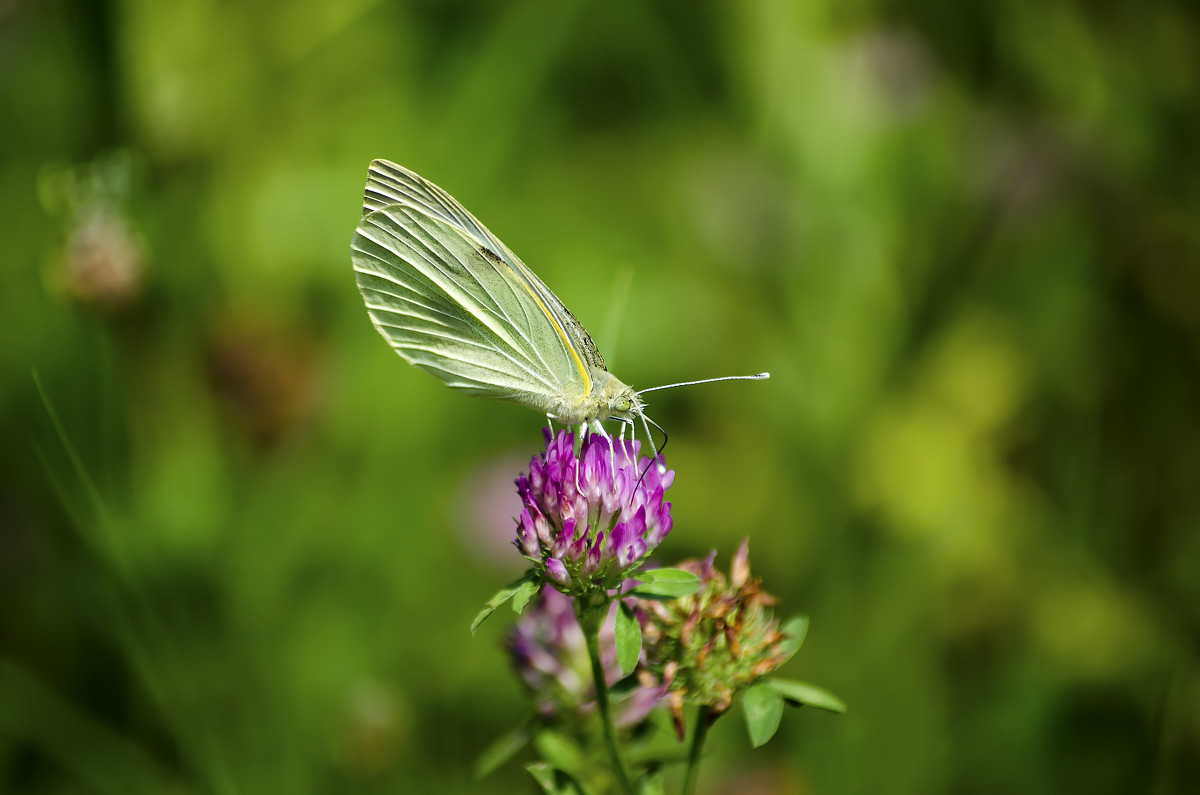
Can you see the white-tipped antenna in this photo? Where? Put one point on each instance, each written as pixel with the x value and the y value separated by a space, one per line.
pixel 755 377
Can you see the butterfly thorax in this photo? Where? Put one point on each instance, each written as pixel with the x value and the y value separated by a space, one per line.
pixel 608 397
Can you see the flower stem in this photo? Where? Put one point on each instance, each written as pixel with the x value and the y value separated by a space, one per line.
pixel 704 719
pixel 591 617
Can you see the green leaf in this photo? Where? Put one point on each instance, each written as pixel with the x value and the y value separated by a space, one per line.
pixel 500 597
pixel 503 749
pixel 795 630
pixel 628 637
pixel 652 782
pixel 763 707
pixel 665 584
pixel 543 774
pixel 665 575
pixel 552 780
pixel 559 750
pixel 797 693
pixel 526 592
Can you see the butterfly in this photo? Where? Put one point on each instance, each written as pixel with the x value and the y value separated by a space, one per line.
pixel 453 300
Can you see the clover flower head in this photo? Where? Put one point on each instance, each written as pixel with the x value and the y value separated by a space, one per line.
pixel 589 519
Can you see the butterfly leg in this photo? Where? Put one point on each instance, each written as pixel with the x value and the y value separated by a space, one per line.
pixel 612 449
pixel 583 432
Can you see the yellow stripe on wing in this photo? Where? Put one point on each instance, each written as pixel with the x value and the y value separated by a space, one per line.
pixel 535 288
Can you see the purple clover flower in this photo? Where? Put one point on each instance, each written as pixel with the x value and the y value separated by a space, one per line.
pixel 590 520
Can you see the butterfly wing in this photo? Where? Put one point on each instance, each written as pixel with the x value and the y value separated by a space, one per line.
pixel 453 300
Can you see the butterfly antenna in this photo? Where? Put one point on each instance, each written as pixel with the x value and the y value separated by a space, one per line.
pixel 755 377
pixel 657 459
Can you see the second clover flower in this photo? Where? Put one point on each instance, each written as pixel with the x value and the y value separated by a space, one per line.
pixel 589 520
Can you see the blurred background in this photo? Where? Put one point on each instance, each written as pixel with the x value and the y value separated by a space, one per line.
pixel 241 541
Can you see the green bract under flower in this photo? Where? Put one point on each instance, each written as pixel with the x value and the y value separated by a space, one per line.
pixel 708 646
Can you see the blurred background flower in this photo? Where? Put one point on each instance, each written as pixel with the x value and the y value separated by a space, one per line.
pixel 102 263
pixel 962 238
pixel 548 651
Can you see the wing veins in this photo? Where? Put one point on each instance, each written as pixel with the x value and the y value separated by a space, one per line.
pixel 443 280
pixel 439 276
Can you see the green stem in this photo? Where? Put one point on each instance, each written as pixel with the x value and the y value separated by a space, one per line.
pixel 591 618
pixel 704 719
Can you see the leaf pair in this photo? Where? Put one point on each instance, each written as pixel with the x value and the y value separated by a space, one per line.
pixel 653 584
pixel 520 591
pixel 763 704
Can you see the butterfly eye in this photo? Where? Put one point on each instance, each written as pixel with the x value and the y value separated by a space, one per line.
pixel 623 403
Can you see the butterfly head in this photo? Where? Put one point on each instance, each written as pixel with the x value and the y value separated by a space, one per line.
pixel 612 399
pixel 626 405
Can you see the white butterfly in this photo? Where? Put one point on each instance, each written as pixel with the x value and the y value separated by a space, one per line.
pixel 453 300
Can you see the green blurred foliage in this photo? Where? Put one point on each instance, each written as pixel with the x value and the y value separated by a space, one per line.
pixel 963 238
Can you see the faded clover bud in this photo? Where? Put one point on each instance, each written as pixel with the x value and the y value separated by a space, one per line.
pixel 709 645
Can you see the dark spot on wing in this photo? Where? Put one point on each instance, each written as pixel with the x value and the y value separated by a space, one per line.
pixel 493 256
